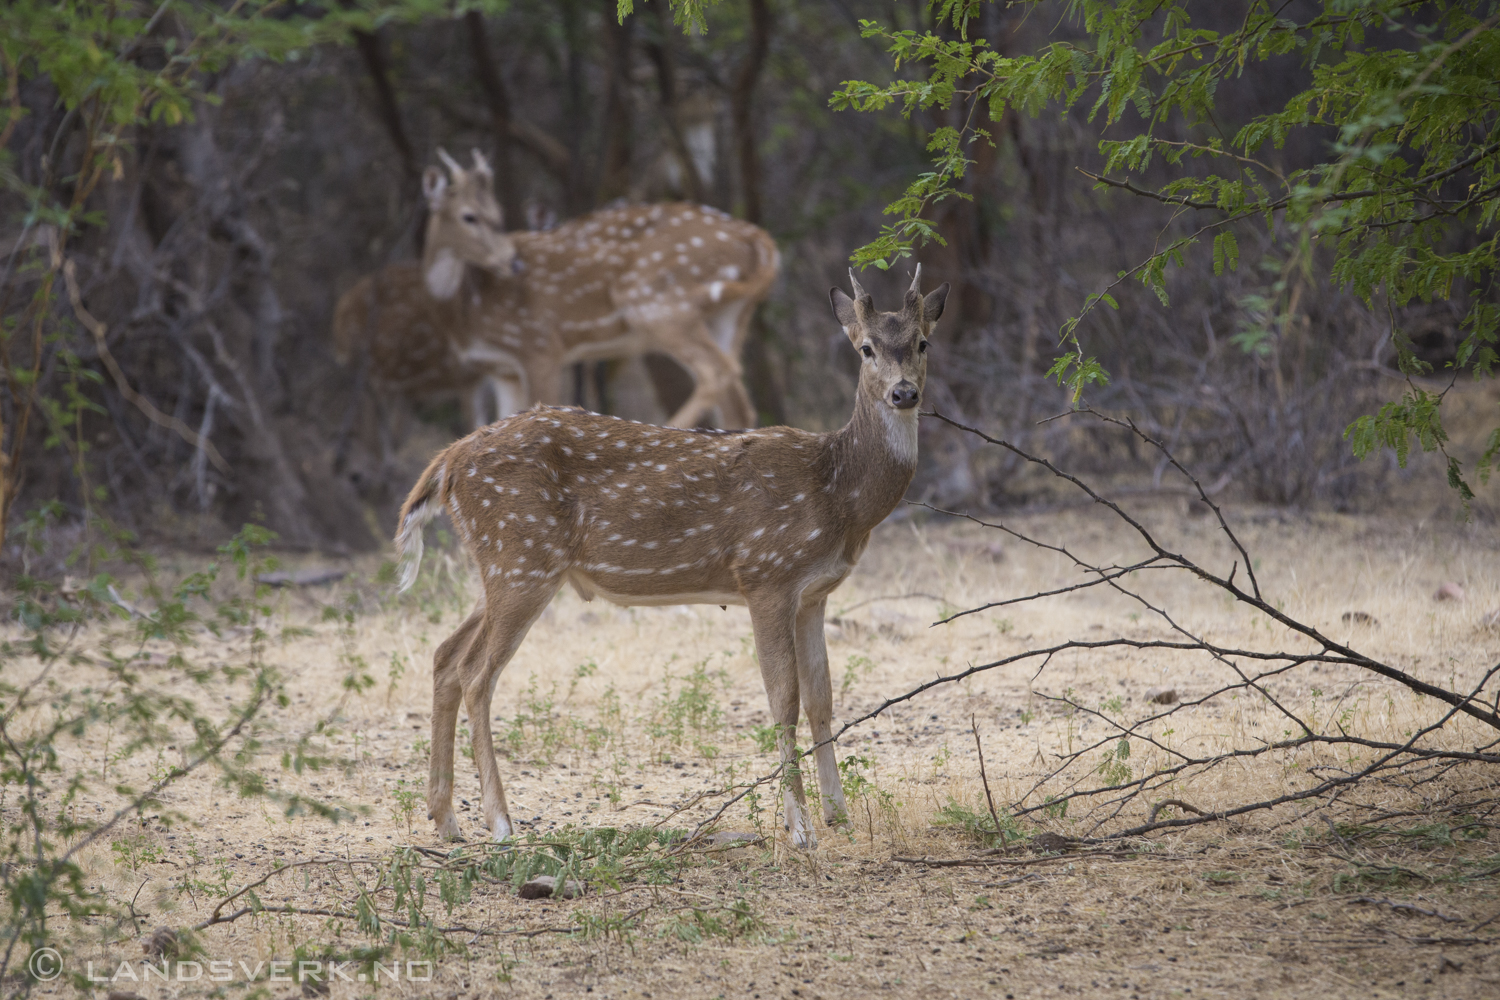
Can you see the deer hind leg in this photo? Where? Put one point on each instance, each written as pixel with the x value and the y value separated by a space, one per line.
pixel 716 376
pixel 447 689
pixel 773 618
pixel 495 398
pixel 730 329
pixel 510 612
pixel 817 702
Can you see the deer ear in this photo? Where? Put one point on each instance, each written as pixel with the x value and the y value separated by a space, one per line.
pixel 843 310
pixel 433 186
pixel 932 305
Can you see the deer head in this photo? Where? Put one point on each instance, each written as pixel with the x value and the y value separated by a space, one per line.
pixel 893 352
pixel 464 226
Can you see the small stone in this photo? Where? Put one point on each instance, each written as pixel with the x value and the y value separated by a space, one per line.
pixel 1162 695
pixel 1359 618
pixel 1049 842
pixel 1449 591
pixel 301 578
pixel 545 887
pixel 161 944
pixel 722 837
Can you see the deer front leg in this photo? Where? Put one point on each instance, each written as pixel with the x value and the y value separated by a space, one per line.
pixel 817 702
pixel 774 619
pixel 447 690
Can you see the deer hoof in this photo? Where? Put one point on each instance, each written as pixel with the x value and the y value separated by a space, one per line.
pixel 447 828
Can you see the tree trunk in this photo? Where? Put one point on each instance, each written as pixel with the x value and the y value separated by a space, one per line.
pixel 498 99
pixel 615 175
pixel 666 83
pixel 385 102
pixel 760 374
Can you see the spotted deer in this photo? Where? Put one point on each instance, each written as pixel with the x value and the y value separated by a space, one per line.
pixel 498 316
pixel 771 519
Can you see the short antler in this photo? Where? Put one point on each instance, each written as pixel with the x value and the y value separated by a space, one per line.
pixel 859 291
pixel 482 165
pixel 864 305
pixel 913 301
pixel 453 168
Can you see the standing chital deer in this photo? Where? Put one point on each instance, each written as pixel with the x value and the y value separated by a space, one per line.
pixel 498 316
pixel 772 519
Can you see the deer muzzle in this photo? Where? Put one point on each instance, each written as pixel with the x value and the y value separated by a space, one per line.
pixel 904 395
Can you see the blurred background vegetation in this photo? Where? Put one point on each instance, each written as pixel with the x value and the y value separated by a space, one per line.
pixel 186 188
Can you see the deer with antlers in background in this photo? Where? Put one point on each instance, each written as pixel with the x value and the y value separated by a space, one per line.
pixel 772 519
pixel 498 316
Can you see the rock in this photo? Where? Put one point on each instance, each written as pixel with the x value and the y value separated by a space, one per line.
pixel 1162 695
pixel 161 944
pixel 1049 842
pixel 301 578
pixel 722 837
pixel 1359 618
pixel 124 995
pixel 1449 591
pixel 545 886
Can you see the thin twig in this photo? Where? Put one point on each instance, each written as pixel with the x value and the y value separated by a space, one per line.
pixel 1408 907
pixel 979 748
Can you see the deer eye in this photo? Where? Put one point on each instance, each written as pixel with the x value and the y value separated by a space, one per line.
pixel 922 347
pixel 470 218
pixel 867 351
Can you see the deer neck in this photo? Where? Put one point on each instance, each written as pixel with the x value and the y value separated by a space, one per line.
pixel 875 458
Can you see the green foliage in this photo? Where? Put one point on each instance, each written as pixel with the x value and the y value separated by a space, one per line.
pixel 1113 768
pixel 979 824
pixel 54 697
pixel 692 709
pixel 1409 90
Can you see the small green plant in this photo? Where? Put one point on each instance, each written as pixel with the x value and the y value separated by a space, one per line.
pixel 407 799
pixel 979 824
pixel 135 850
pixel 1113 768
pixel 857 775
pixel 397 670
pixel 765 737
pixel 694 707
pixel 855 669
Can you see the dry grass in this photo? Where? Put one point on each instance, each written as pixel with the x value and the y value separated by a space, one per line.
pixel 1266 906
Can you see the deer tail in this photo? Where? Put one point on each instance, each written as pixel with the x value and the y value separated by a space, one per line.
pixel 423 504
pixel 769 259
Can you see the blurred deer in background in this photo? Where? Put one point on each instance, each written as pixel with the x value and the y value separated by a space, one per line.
pixel 773 519
pixel 497 316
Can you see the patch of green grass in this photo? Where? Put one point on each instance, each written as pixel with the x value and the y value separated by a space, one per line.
pixel 979 824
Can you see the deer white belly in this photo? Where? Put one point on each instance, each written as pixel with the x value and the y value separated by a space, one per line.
pixel 587 588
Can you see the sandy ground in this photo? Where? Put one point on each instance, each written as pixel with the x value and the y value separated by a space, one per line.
pixel 1279 903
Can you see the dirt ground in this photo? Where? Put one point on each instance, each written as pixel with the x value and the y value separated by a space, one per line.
pixel 628 715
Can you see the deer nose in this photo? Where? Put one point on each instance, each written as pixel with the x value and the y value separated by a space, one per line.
pixel 904 395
